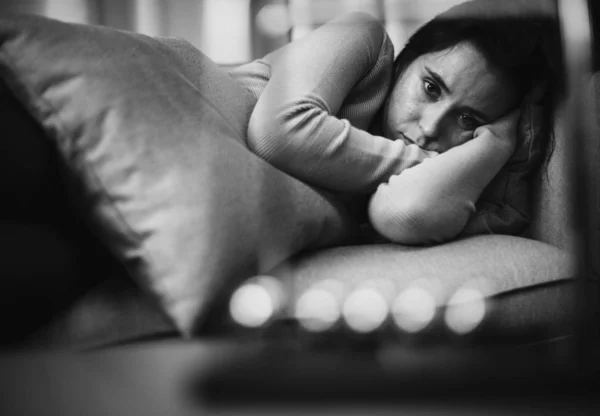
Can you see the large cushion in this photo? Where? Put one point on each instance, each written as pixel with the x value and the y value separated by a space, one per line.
pixel 150 134
pixel 529 285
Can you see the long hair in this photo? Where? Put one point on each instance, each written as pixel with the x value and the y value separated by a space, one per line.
pixel 520 42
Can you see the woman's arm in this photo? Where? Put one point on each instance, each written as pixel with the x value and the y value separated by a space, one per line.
pixel 433 201
pixel 294 126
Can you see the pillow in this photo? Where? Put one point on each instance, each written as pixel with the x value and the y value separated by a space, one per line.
pixel 151 139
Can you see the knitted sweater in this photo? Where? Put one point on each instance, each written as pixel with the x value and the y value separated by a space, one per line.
pixel 316 97
pixel 313 126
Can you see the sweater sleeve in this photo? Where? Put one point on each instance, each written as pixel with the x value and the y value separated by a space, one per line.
pixel 432 202
pixel 342 69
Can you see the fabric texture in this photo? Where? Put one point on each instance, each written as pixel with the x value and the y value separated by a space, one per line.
pixel 150 135
pixel 528 285
pixel 315 98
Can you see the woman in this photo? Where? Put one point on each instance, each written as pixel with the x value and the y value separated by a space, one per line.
pixel 152 139
pixel 449 108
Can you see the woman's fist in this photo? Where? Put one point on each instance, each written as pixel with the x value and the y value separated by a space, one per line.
pixel 502 132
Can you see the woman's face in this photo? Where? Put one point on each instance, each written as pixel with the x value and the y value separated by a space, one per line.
pixel 442 97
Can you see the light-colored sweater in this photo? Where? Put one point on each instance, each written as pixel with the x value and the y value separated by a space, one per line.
pixel 316 97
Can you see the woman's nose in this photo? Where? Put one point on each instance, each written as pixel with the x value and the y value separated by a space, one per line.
pixel 431 121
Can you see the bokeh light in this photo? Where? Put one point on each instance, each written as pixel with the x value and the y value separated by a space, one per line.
pixel 251 305
pixel 275 289
pixel 317 309
pixel 365 309
pixel 274 20
pixel 466 310
pixel 413 309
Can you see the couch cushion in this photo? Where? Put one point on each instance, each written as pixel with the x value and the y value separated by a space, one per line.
pixel 529 284
pixel 49 258
pixel 151 137
pixel 532 298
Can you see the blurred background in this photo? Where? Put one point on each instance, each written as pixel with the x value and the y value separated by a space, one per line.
pixel 232 31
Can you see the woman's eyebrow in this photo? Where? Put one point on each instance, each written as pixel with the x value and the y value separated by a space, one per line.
pixel 438 79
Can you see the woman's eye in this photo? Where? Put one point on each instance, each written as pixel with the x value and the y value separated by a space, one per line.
pixel 467 122
pixel 431 89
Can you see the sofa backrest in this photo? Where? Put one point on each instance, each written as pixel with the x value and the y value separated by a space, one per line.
pixel 554 211
pixel 565 213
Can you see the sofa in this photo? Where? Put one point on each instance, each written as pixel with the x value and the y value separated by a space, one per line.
pixel 64 286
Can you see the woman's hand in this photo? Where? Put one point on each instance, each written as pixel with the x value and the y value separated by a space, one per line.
pixel 501 132
pixel 432 201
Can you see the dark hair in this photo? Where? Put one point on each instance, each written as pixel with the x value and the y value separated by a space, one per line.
pixel 522 43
